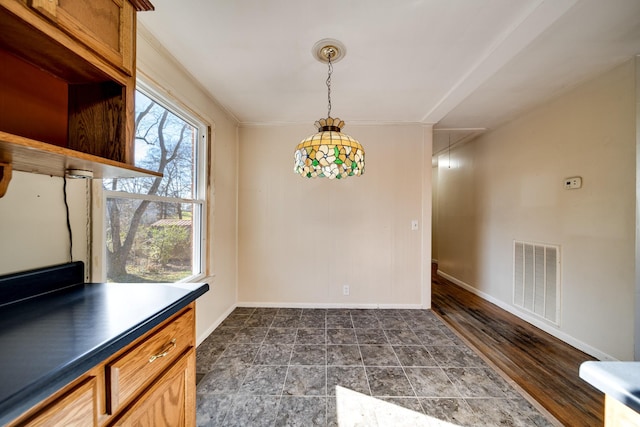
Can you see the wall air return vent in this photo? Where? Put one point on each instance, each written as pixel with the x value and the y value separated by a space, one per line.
pixel 536 279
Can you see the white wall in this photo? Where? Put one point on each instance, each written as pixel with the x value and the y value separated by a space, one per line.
pixel 301 240
pixel 507 185
pixel 33 222
pixel 157 66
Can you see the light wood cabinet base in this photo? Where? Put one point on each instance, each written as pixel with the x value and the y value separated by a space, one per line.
pixel 164 395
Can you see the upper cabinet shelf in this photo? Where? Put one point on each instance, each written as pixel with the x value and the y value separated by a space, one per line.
pixel 67 86
pixel 29 155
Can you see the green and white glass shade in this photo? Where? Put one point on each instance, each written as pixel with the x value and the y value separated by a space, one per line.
pixel 329 153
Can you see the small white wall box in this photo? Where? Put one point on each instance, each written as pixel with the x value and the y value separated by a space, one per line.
pixel 572 183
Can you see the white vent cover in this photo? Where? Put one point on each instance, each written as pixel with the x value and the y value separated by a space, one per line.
pixel 536 279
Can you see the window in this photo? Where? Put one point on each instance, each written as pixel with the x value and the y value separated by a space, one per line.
pixel 155 227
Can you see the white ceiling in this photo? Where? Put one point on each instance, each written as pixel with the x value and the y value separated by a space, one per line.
pixel 458 64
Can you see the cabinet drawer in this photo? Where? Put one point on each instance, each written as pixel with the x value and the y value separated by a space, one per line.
pixel 76 407
pixel 136 368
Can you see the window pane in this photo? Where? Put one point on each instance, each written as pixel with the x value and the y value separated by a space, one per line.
pixel 155 233
pixel 150 241
pixel 165 143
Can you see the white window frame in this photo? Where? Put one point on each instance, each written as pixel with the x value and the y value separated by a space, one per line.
pixel 201 196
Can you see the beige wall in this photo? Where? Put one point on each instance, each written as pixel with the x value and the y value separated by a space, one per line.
pixel 155 65
pixel 507 185
pixel 301 240
pixel 33 226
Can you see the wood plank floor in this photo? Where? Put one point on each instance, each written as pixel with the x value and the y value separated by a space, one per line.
pixel 539 363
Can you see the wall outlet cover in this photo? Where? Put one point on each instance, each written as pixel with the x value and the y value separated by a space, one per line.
pixel 572 183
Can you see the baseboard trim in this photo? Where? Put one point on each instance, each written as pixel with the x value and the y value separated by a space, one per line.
pixel 214 325
pixel 325 305
pixel 600 355
pixel 220 319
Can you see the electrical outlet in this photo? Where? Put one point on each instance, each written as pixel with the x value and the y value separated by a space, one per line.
pixel 345 290
pixel 572 183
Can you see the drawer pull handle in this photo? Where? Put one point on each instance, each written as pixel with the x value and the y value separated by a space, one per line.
pixel 164 351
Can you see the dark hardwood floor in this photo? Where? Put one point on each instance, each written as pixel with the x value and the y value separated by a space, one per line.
pixel 542 365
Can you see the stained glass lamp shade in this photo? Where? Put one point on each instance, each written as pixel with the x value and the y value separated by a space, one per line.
pixel 329 153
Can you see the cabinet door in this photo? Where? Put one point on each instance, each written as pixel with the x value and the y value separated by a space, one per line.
pixel 106 26
pixel 169 401
pixel 77 407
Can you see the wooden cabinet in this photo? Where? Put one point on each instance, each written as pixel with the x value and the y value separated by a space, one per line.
pixel 67 86
pixel 130 372
pixel 150 382
pixel 169 402
pixel 77 406
pixel 106 26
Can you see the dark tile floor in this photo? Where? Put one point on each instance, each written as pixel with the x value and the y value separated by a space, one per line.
pixel 340 367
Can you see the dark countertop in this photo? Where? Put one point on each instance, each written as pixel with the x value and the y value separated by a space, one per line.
pixel 620 380
pixel 50 340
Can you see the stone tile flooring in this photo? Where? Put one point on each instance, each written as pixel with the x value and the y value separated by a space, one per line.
pixel 340 367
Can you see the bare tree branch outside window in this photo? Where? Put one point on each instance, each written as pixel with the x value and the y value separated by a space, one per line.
pixel 150 235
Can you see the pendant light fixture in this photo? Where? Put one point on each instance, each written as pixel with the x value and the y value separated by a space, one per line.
pixel 329 153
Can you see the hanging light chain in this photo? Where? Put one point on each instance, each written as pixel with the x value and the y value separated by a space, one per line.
pixel 330 53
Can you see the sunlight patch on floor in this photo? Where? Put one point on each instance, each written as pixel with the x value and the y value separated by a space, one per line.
pixel 357 409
